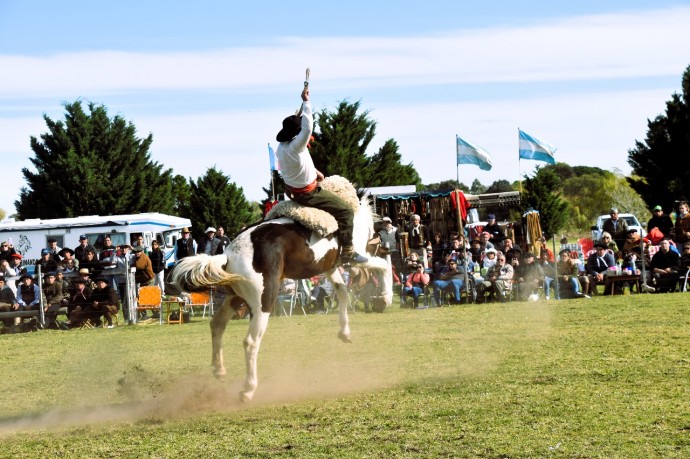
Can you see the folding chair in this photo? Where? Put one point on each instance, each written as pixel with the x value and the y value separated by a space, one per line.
pixel 200 300
pixel 150 298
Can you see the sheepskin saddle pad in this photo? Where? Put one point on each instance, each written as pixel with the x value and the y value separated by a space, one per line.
pixel 317 220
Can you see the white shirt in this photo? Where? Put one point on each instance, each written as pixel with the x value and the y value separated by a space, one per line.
pixel 296 164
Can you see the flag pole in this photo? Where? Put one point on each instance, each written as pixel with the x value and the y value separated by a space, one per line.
pixel 273 187
pixel 519 171
pixel 457 172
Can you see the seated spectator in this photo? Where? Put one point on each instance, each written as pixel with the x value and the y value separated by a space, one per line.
pixel 53 294
pixel 442 265
pixel 513 253
pixel 476 250
pixel 8 303
pixel 5 269
pixel 489 260
pixel 60 279
pixel 67 255
pixel 410 265
pixel 549 270
pixel 438 248
pixel 79 300
pixel 609 243
pixel 415 285
pixel 597 266
pixel 484 241
pixel 632 240
pixel 28 294
pixel 450 280
pixel 568 276
pixel 665 265
pixel 16 264
pixel 86 275
pixel 685 261
pixel 498 281
pixel 530 277
pixel 321 293
pixel 104 302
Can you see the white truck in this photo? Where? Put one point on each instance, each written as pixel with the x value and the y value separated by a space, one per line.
pixel 30 236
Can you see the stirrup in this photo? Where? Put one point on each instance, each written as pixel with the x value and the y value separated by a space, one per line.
pixel 352 258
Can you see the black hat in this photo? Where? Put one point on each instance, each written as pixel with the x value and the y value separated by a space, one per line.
pixel 48 274
pixel 2 278
pixel 51 239
pixel 632 230
pixel 529 255
pixel 79 280
pixel 564 251
pixel 100 279
pixel 65 250
pixel 25 276
pixel 599 244
pixel 292 125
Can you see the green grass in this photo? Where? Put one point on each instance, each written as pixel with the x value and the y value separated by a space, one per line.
pixel 600 378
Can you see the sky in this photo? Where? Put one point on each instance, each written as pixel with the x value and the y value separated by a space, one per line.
pixel 212 81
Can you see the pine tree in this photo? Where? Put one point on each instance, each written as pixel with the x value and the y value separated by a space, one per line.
pixel 93 165
pixel 215 201
pixel 385 168
pixel 661 164
pixel 542 193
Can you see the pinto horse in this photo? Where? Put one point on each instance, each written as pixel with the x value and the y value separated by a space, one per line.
pixel 253 267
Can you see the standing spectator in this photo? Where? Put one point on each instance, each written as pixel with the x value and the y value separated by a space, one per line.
pixel 16 264
pixel 8 302
pixel 158 265
pixel 138 241
pixel 80 250
pixel 108 259
pixel 6 250
pixel 617 227
pixel 681 231
pixel 125 260
pixel 496 234
pixel 46 262
pixel 224 240
pixel 665 265
pixel 389 240
pixel 144 268
pixel 418 238
pixel 54 249
pixel 186 246
pixel 209 244
pixel 91 263
pixel 662 223
pixel 415 285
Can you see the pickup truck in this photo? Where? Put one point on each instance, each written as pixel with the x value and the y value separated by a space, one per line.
pixel 630 219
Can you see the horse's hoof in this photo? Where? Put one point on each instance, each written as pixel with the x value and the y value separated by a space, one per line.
pixel 246 397
pixel 344 338
pixel 219 374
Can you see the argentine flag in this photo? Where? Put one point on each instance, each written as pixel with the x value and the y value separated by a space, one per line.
pixel 469 154
pixel 533 148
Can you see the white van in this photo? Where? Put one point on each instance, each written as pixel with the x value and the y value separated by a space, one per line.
pixel 30 236
pixel 630 219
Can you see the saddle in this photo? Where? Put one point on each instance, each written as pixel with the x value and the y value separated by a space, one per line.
pixel 312 218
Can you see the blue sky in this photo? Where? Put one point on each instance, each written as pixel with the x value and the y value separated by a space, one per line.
pixel 212 81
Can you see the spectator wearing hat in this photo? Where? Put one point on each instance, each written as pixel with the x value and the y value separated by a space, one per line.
pixel 144 267
pixel 79 300
pixel 662 223
pixel 632 240
pixel 681 230
pixel 62 280
pixel 16 264
pixel 54 249
pixel 484 242
pixel 489 260
pixel 224 240
pixel 209 243
pixel 68 260
pixel 103 302
pixel 415 285
pixel 664 266
pixel 390 240
pixel 157 257
pixel 476 250
pixel 616 227
pixel 496 234
pixel 28 294
pixel 185 246
pixel 80 250
pixel 598 262
pixel 46 263
pixel 418 238
pixel 54 296
pixel 8 303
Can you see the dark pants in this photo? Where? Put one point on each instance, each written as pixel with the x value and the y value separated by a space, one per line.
pixel 341 211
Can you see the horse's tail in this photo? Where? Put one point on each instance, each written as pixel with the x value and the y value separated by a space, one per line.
pixel 200 271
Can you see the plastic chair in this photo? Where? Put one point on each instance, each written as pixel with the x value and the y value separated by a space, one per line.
pixel 150 298
pixel 200 300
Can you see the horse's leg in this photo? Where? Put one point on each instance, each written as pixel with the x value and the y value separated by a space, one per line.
pixel 218 323
pixel 252 342
pixel 343 304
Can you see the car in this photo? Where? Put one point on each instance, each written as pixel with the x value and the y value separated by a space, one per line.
pixel 630 219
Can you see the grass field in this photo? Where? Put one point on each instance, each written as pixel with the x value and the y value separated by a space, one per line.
pixel 600 378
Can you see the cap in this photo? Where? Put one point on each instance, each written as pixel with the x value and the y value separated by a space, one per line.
pixel 488 251
pixel 137 249
pixel 16 255
pixel 82 237
pixel 2 278
pixel 632 230
pixel 491 217
pixel 51 273
pixel 387 219
pixel 210 229
pixel 658 208
pixel 59 270
pixel 614 210
pixel 486 232
pixel 45 252
pixel 599 244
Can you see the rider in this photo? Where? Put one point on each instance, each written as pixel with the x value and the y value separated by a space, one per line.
pixel 301 177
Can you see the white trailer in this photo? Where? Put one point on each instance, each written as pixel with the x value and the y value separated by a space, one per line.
pixel 30 236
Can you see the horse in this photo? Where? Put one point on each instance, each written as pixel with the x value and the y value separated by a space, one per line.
pixel 252 268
